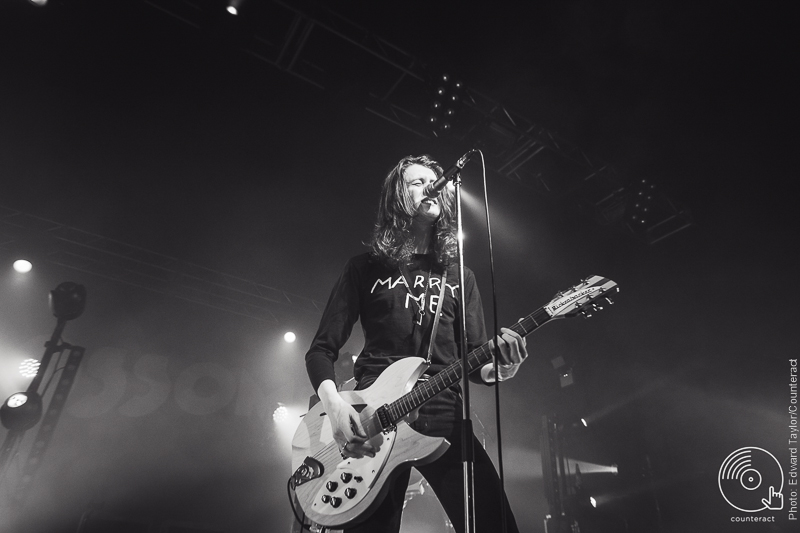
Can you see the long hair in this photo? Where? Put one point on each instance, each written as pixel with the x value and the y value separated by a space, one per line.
pixel 391 241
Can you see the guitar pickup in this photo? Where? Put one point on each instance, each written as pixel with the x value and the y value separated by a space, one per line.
pixel 309 470
pixel 384 419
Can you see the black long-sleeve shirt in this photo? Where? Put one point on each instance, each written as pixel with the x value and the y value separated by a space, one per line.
pixel 380 297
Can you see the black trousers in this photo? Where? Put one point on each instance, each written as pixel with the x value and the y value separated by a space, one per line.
pixel 441 417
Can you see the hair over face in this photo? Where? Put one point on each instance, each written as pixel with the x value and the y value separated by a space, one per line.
pixel 391 241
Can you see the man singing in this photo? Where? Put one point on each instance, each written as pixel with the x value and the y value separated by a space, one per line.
pixel 395 289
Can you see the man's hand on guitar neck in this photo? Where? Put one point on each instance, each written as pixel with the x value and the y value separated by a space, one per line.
pixel 513 352
pixel 346 425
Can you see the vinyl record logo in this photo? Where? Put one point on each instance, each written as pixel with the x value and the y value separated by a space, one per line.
pixel 751 480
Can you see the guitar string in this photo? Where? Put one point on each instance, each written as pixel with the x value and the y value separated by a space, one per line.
pixel 431 387
pixel 419 395
pixel 405 404
pixel 408 402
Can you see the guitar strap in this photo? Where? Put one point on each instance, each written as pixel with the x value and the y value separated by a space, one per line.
pixel 436 317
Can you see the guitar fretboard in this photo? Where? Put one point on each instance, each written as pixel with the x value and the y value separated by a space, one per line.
pixel 451 374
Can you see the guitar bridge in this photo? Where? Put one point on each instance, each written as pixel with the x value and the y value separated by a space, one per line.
pixel 384 419
pixel 309 470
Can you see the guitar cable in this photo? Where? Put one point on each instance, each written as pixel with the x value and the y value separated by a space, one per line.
pixel 303 526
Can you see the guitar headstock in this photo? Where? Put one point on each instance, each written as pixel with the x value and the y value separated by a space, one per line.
pixel 584 298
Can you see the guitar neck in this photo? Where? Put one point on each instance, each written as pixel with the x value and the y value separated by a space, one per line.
pixel 451 374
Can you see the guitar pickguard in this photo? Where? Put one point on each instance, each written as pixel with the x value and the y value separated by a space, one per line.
pixel 345 486
pixel 314 438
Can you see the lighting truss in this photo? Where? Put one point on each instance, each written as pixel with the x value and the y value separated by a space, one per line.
pixel 332 53
pixel 47 426
pixel 117 261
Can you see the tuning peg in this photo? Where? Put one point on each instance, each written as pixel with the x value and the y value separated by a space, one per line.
pixel 585 314
pixel 609 300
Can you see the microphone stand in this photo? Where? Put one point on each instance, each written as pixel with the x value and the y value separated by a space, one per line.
pixel 467 445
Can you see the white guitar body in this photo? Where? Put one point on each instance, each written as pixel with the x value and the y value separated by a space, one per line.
pixel 334 492
pixel 347 489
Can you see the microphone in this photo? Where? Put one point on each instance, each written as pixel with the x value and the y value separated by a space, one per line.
pixel 432 190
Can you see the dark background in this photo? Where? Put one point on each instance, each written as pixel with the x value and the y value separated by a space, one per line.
pixel 127 123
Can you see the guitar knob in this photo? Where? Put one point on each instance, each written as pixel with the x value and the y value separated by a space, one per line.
pixel 325 498
pixel 331 486
pixel 350 492
pixel 346 477
pixel 359 479
pixel 336 502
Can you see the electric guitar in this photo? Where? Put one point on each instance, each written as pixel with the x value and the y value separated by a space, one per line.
pixel 335 492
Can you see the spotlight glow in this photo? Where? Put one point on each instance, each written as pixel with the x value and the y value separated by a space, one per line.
pixel 22 266
pixel 594 468
pixel 593 501
pixel 289 337
pixel 29 367
pixel 280 414
pixel 233 6
pixel 286 418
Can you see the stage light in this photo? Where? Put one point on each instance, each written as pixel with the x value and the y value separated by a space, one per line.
pixel 593 501
pixel 29 367
pixel 68 300
pixel 233 7
pixel 22 266
pixel 594 468
pixel 38 3
pixel 280 414
pixel 289 336
pixel 445 90
pixel 566 378
pixel 573 423
pixel 21 411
